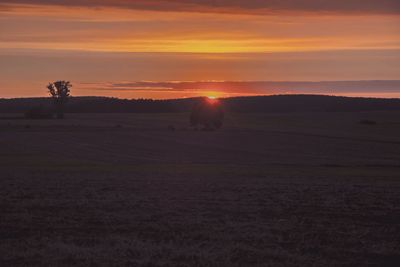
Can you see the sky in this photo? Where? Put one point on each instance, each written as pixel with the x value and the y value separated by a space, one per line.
pixel 145 48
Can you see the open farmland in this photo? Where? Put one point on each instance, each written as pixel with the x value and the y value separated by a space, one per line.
pixel 267 189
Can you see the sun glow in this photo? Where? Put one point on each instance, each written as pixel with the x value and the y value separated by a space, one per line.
pixel 212 100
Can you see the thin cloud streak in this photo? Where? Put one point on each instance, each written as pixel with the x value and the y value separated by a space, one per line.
pixel 234 6
pixel 229 88
pixel 26 73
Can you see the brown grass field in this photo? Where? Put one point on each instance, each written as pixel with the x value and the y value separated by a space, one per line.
pixel 305 189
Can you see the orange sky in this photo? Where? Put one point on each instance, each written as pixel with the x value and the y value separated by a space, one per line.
pixel 114 41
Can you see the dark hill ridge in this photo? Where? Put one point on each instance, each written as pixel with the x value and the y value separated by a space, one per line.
pixel 309 103
pixel 275 103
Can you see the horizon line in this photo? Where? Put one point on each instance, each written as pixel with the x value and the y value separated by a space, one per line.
pixel 197 97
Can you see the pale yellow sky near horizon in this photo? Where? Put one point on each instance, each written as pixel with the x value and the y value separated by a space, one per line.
pixel 42 42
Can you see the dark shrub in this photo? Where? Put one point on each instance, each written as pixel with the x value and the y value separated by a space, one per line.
pixel 207 113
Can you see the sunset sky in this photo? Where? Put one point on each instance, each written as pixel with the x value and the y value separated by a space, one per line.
pixel 136 49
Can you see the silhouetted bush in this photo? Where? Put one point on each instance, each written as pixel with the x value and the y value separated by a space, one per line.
pixel 38 113
pixel 207 113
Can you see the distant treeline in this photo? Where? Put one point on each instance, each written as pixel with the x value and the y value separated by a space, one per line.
pixel 277 103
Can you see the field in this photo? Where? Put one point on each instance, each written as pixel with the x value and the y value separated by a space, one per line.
pixel 310 189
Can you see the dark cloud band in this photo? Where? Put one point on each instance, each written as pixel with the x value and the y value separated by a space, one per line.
pixel 235 6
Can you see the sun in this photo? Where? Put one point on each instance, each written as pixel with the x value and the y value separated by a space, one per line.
pixel 212 100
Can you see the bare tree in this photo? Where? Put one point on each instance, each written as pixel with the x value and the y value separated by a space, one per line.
pixel 60 92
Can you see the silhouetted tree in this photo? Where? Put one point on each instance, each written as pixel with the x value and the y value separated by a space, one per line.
pixel 59 91
pixel 208 113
